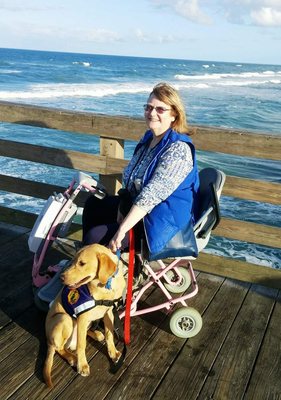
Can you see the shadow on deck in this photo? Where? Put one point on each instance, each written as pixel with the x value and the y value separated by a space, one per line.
pixel 237 354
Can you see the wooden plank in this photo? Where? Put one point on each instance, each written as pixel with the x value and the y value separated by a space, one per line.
pixel 250 189
pixel 115 149
pixel 17 333
pixel 62 158
pixel 265 382
pixel 142 330
pixel 237 142
pixel 16 217
pixel 246 189
pixel 28 188
pixel 27 219
pixel 237 269
pixel 228 227
pixel 72 121
pixel 59 157
pixel 165 349
pixel 10 232
pixel 215 139
pixel 219 265
pixel 66 379
pixel 15 271
pixel 31 385
pixel 18 366
pixel 189 371
pixel 36 189
pixel 249 232
pixel 229 375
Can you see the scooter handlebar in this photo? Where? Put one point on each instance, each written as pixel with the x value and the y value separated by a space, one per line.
pixel 90 184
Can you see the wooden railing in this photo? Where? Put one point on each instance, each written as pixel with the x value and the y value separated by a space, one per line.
pixel 109 163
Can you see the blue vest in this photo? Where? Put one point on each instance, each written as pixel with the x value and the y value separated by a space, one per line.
pixel 77 301
pixel 179 209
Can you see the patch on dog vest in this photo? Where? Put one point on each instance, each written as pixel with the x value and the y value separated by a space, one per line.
pixel 77 301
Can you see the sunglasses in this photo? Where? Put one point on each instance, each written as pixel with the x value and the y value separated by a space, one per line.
pixel 159 110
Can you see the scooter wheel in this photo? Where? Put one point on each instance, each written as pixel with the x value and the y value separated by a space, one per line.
pixel 186 322
pixel 182 285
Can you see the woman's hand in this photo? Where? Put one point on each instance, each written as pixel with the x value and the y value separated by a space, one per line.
pixel 116 241
pixel 133 217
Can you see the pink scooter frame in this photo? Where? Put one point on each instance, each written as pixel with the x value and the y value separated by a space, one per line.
pixel 84 182
pixel 155 278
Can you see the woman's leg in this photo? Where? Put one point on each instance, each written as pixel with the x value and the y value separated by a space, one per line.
pixel 101 234
pixel 99 212
pixel 99 219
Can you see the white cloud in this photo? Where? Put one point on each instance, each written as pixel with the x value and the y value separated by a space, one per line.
pixel 94 35
pixel 189 9
pixel 101 36
pixel 266 16
pixel 265 13
pixel 151 38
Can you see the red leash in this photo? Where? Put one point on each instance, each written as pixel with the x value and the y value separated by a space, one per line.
pixel 129 287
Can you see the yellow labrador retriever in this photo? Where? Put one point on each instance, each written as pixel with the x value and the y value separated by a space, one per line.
pixel 94 277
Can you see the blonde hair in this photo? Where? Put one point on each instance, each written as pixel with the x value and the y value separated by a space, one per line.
pixel 170 96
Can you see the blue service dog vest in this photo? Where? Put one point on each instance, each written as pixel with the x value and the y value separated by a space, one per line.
pixel 77 301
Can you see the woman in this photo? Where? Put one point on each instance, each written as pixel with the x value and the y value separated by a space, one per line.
pixel 161 178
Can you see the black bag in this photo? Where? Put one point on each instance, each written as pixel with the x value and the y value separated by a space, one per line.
pixel 126 201
pixel 183 244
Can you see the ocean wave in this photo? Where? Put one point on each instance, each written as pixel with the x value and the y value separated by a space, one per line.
pixel 217 76
pixel 216 80
pixel 84 63
pixel 10 71
pixel 47 91
pixel 75 90
pixel 249 252
pixel 20 202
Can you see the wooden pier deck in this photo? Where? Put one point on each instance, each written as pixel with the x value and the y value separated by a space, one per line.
pixel 237 354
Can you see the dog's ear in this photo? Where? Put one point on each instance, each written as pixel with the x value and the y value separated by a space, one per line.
pixel 107 267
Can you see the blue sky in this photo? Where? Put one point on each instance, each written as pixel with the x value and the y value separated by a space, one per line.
pixel 214 30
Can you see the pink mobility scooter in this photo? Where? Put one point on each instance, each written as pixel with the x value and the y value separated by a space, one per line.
pixel 176 280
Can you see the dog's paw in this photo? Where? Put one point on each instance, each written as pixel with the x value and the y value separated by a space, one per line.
pixel 96 335
pixel 117 356
pixel 83 370
pixel 72 360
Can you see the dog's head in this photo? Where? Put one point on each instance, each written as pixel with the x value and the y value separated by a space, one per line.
pixel 92 262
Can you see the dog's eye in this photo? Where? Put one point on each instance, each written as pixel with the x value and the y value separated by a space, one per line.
pixel 81 263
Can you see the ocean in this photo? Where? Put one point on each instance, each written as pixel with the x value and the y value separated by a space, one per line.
pixel 232 95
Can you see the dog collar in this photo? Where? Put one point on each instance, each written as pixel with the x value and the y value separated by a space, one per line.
pixel 108 283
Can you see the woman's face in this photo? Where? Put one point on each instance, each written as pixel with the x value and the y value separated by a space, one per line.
pixel 159 122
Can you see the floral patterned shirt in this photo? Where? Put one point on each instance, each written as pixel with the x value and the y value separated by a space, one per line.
pixel 173 167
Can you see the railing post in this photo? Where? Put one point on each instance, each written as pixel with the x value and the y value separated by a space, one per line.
pixel 112 148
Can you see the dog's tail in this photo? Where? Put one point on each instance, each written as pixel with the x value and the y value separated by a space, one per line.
pixel 48 366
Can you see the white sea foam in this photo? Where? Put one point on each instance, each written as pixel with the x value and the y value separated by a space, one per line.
pixel 10 71
pixel 84 63
pixel 229 79
pixel 217 76
pixel 47 91
pixel 199 81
